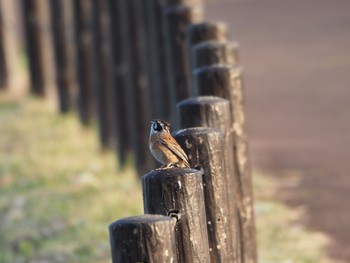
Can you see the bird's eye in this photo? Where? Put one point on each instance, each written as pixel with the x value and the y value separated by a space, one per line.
pixel 157 126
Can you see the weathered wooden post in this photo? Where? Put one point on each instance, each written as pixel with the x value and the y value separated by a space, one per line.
pixel 178 192
pixel 214 112
pixel 33 46
pixel 206 31
pixel 226 82
pixel 176 18
pixel 156 49
pixel 61 55
pixel 146 7
pixel 133 44
pixel 204 146
pixel 104 84
pixel 3 62
pixel 39 47
pixel 119 74
pixel 205 111
pixel 146 238
pixel 11 75
pixel 86 70
pixel 214 52
pixel 200 32
pixel 71 53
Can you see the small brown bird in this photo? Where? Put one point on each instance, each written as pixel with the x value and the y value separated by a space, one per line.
pixel 164 147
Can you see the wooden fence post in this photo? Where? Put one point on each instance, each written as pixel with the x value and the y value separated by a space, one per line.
pixel 200 32
pixel 204 146
pixel 71 53
pixel 214 52
pixel 33 46
pixel 11 75
pixel 121 120
pixel 205 31
pixel 146 238
pixel 85 59
pixel 178 192
pixel 104 84
pixel 176 19
pixel 133 44
pixel 156 49
pixel 61 56
pixel 147 24
pixel 39 48
pixel 159 91
pixel 204 111
pixel 226 82
pixel 214 112
pixel 3 62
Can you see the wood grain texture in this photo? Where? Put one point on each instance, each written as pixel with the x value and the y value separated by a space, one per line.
pixel 214 112
pixel 226 81
pixel 146 238
pixel 178 192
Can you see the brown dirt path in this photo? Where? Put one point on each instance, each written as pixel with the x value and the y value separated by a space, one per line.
pixel 296 56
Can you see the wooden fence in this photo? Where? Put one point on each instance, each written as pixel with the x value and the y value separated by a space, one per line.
pixel 121 63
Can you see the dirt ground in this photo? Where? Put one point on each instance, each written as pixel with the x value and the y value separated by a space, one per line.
pixel 297 74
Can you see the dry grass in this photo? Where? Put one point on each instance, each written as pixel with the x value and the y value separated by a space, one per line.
pixel 59 193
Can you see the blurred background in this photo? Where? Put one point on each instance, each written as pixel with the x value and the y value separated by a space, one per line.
pixel 298 94
pixel 61 184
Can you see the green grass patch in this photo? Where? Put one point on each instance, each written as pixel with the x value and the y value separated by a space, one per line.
pixel 281 236
pixel 59 192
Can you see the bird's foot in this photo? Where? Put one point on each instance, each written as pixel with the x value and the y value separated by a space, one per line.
pixel 169 165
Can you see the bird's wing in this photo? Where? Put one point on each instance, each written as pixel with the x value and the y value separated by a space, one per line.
pixel 173 146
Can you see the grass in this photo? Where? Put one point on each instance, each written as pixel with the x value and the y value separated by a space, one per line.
pixel 281 236
pixel 59 193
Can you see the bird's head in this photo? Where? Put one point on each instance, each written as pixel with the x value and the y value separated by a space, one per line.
pixel 159 126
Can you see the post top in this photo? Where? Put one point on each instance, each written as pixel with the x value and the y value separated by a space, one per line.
pixel 219 68
pixel 198 131
pixel 216 44
pixel 203 100
pixel 141 219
